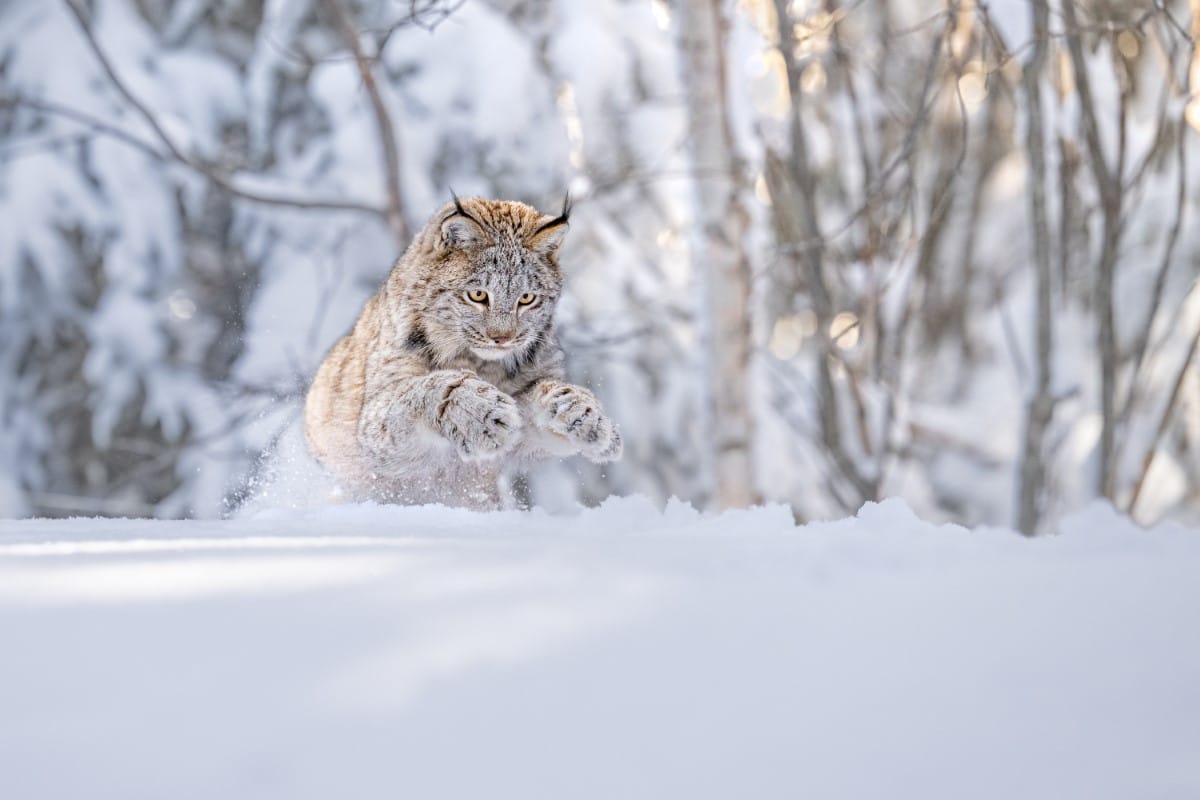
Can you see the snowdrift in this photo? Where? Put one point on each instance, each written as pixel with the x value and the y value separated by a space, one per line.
pixel 624 652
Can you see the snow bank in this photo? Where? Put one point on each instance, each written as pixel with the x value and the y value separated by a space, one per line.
pixel 625 652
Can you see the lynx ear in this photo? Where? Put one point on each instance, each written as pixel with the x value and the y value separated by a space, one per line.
pixel 459 231
pixel 459 228
pixel 549 235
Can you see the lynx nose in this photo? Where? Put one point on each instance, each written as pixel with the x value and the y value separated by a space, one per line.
pixel 500 338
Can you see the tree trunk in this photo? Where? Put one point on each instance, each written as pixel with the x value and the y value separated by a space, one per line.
pixel 1040 405
pixel 718 251
pixel 1108 183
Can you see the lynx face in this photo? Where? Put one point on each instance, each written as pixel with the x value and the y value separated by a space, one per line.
pixel 496 281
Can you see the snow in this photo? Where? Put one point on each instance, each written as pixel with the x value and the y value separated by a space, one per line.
pixel 624 651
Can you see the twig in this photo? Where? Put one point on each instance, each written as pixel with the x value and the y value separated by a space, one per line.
pixel 174 151
pixel 94 124
pixel 1163 422
pixel 387 131
pixel 1141 345
pixel 1161 7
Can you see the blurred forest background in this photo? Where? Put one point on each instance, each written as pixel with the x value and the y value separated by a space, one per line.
pixel 823 251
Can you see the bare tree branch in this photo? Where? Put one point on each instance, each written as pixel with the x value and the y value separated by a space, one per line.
pixel 1163 423
pixel 1141 345
pixel 174 151
pixel 387 131
pixel 92 124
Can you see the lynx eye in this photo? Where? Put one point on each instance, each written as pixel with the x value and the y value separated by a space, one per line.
pixel 477 296
pixel 526 298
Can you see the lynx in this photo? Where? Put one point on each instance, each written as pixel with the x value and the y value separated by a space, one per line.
pixel 453 371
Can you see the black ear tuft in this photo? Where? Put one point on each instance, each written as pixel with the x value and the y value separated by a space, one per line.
pixel 457 232
pixel 561 219
pixel 549 235
pixel 458 209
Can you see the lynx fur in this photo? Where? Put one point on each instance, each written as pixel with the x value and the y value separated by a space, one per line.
pixel 453 372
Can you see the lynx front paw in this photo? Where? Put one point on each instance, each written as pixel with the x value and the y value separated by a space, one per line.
pixel 574 414
pixel 481 421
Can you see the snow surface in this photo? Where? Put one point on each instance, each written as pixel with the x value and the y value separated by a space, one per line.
pixel 624 652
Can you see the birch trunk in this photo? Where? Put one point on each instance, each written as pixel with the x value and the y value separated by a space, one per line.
pixel 718 248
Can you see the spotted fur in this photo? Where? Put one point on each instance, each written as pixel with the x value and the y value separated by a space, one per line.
pixel 418 403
